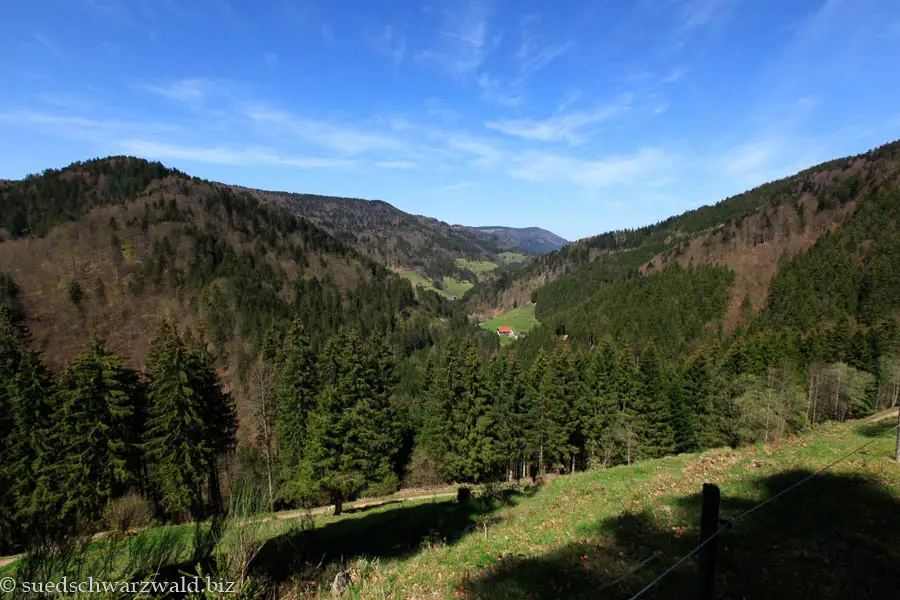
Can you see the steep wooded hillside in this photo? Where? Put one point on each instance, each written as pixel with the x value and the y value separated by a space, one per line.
pixel 748 233
pixel 111 247
pixel 400 240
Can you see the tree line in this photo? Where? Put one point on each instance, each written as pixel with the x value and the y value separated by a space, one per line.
pixel 70 444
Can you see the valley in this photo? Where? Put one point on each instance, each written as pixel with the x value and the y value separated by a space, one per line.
pixel 306 354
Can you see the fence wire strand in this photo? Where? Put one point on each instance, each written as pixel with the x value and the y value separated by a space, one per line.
pixel 728 523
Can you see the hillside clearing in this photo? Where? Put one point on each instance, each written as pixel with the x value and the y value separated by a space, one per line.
pixel 456 288
pixel 519 319
pixel 453 288
pixel 479 267
pixel 512 257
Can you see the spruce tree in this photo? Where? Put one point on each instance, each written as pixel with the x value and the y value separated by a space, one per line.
pixel 352 437
pixel 26 402
pixel 691 414
pixel 190 421
pixel 552 385
pixel 509 413
pixel 296 388
pixel 218 412
pixel 440 431
pixel 601 404
pixel 654 413
pixel 474 423
pixel 94 433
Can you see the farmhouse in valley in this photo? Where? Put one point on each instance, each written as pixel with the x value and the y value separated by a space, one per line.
pixel 505 332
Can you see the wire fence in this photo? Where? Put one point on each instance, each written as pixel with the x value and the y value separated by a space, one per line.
pixel 728 523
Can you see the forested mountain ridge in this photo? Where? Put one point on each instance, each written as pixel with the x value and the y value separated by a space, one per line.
pixel 748 232
pixel 112 247
pixel 530 239
pixel 400 240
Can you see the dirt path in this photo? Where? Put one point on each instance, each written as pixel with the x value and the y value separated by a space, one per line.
pixel 323 510
pixel 880 416
pixel 320 510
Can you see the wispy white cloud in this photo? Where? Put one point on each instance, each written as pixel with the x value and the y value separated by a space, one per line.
pixel 396 164
pixel 343 138
pixel 187 91
pixel 439 109
pixel 568 127
pixel 479 151
pixel 73 126
pixel 457 186
pixel 534 54
pixel 460 42
pixel 592 175
pixel 568 100
pixel 770 157
pixel 674 75
pixel 220 155
pixel 493 91
pixel 391 44
pixel 695 15
pixel 46 42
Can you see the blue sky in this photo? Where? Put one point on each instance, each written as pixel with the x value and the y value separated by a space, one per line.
pixel 578 116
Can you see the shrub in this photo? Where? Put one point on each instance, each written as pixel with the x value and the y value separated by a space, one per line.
pixel 385 487
pixel 422 471
pixel 131 511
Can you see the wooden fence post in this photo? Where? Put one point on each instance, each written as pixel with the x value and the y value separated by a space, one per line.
pixel 709 524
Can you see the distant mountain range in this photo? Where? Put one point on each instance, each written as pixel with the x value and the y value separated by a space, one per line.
pixel 401 240
pixel 533 240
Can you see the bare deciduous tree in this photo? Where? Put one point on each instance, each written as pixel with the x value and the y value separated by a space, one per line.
pixel 263 399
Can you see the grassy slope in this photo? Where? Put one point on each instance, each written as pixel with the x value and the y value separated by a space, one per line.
pixel 512 257
pixel 456 288
pixel 478 267
pixel 840 533
pixel 836 536
pixel 453 288
pixel 519 319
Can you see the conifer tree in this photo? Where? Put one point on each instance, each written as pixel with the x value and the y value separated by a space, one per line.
pixel 94 433
pixel 473 420
pixel 691 413
pixel 601 403
pixel 218 412
pixel 440 431
pixel 509 413
pixel 552 386
pixel 296 388
pixel 26 402
pixel 189 421
pixel 654 414
pixel 352 438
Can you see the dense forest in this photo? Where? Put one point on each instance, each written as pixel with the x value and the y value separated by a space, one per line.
pixel 279 352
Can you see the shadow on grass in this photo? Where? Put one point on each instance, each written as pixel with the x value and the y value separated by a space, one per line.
pixel 393 533
pixel 878 428
pixel 833 537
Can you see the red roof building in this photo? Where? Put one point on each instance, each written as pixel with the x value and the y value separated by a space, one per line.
pixel 504 331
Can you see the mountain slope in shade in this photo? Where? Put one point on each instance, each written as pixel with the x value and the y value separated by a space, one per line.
pixel 397 239
pixel 532 240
